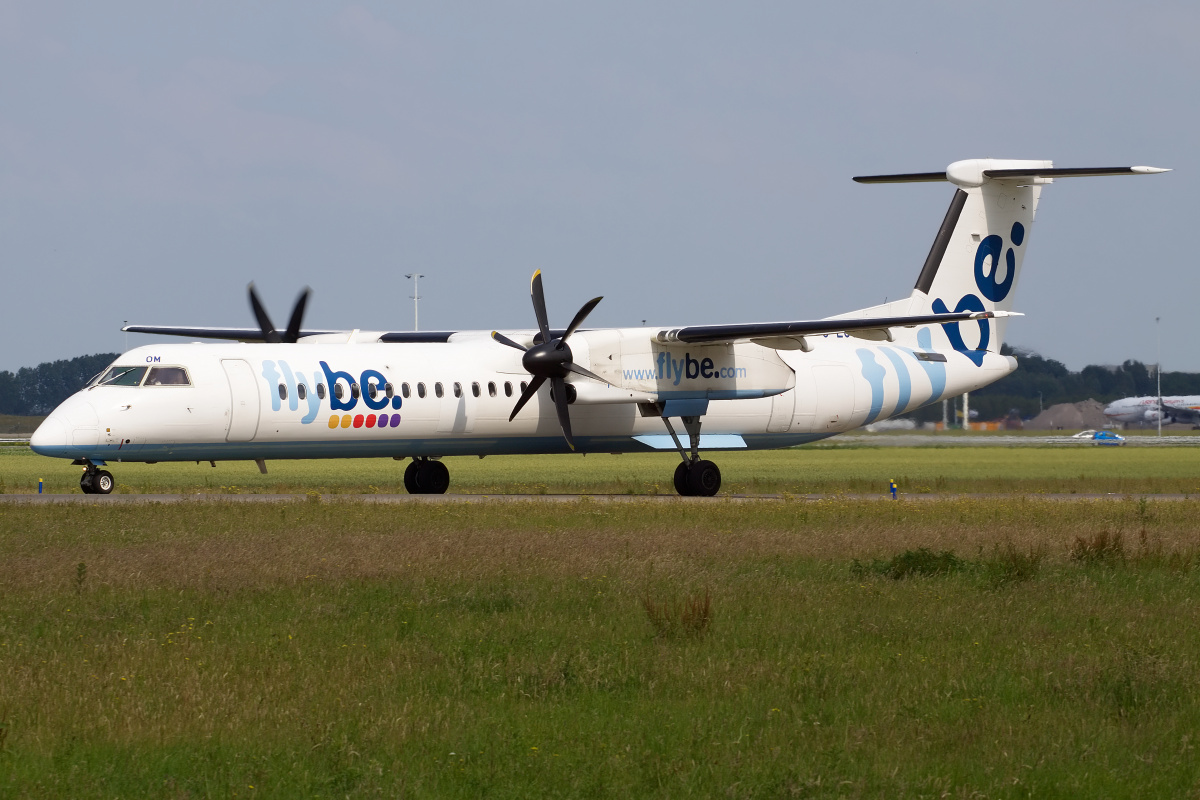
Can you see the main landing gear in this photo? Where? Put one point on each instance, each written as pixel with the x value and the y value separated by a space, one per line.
pixel 695 477
pixel 96 481
pixel 426 476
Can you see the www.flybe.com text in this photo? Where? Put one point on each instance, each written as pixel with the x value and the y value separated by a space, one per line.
pixel 676 369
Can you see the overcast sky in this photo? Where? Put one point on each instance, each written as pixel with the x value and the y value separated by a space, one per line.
pixel 689 161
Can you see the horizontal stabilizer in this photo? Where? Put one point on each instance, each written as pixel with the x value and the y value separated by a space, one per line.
pixel 975 171
pixel 906 177
pixel 1071 172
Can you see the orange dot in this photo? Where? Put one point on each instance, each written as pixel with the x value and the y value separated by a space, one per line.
pixel 345 420
pixel 333 421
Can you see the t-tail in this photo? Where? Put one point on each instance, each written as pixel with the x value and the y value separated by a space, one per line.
pixel 975 261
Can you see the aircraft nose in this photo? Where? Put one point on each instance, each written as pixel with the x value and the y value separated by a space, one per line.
pixel 52 434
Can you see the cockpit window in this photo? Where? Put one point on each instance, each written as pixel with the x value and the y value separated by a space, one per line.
pixel 122 376
pixel 168 376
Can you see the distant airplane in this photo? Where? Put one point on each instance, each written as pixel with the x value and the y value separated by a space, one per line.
pixel 1178 408
pixel 333 394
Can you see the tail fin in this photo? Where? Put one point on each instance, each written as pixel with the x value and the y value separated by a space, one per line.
pixel 976 257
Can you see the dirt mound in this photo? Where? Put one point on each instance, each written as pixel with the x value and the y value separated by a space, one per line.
pixel 1070 416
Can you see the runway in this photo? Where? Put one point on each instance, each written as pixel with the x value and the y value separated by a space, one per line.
pixel 465 499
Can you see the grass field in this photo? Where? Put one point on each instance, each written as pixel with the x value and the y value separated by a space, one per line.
pixel 805 470
pixel 999 648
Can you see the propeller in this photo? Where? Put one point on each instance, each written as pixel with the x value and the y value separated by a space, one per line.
pixel 551 358
pixel 292 333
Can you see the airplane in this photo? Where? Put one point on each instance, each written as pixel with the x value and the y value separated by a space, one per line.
pixel 1180 408
pixel 263 394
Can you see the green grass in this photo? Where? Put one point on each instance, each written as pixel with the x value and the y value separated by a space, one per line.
pixel 512 650
pixel 797 471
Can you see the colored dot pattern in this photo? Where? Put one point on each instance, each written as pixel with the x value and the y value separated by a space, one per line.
pixel 359 421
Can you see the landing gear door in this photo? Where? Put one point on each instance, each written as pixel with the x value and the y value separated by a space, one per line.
pixel 243 397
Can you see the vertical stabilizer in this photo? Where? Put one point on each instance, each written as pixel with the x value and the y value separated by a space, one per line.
pixel 976 258
pixel 975 261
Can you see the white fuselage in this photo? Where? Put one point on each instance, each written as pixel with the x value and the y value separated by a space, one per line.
pixel 327 399
pixel 1146 409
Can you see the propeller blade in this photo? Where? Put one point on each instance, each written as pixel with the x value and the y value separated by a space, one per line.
pixel 264 321
pixel 560 405
pixel 539 305
pixel 502 339
pixel 578 370
pixel 293 328
pixel 529 392
pixel 581 316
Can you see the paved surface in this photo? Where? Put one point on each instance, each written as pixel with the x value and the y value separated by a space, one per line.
pixel 401 499
pixel 964 440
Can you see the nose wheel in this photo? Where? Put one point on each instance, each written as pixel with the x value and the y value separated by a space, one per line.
pixel 96 481
pixel 426 476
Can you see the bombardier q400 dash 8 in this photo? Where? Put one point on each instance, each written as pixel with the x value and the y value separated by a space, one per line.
pixel 332 394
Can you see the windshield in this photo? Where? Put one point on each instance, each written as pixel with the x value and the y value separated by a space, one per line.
pixel 168 376
pixel 122 376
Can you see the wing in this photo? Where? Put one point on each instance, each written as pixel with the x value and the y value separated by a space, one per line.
pixel 778 334
pixel 1182 413
pixel 256 334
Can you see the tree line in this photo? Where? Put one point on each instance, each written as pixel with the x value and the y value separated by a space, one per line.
pixel 1041 382
pixel 1038 382
pixel 35 391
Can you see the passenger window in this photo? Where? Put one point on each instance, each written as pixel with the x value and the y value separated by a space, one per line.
pixel 437 389
pixel 122 376
pixel 388 391
pixel 338 392
pixel 457 389
pixel 168 376
pixel 301 392
pixel 282 392
pixel 524 386
pixel 404 390
pixel 321 391
pixel 491 388
pixel 508 389
pixel 420 390
pixel 354 392
pixel 372 390
pixel 475 388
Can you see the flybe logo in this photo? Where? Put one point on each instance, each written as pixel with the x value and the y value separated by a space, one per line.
pixel 676 369
pixel 990 285
pixel 342 389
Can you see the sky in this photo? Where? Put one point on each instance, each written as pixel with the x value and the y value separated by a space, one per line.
pixel 689 161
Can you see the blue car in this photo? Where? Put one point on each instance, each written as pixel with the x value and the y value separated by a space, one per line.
pixel 1108 438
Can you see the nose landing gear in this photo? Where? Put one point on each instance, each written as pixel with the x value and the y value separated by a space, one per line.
pixel 96 481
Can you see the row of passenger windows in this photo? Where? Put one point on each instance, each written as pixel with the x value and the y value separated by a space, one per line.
pixel 389 391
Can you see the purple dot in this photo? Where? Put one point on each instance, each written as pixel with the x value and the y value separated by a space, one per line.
pixel 395 420
pixel 383 421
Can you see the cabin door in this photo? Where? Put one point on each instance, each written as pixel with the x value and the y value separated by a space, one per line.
pixel 243 401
